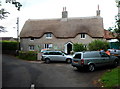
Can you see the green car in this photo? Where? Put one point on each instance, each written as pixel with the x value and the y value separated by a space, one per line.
pixel 93 59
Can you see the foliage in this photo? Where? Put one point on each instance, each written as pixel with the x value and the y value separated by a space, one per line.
pixel 17 4
pixel 116 28
pixel 110 78
pixel 2 29
pixel 9 45
pixel 3 13
pixel 97 45
pixel 31 55
pixel 78 47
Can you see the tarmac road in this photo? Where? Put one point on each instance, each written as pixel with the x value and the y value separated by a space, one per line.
pixel 21 73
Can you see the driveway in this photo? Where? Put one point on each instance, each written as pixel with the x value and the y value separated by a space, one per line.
pixel 20 73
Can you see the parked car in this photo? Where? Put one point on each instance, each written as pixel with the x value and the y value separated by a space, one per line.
pixel 49 56
pixel 93 59
pixel 115 52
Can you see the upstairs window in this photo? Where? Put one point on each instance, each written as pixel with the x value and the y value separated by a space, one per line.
pixel 48 35
pixel 83 36
pixel 32 39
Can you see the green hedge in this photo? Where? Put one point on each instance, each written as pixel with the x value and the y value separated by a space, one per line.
pixel 78 47
pixel 9 45
pixel 98 44
pixel 31 55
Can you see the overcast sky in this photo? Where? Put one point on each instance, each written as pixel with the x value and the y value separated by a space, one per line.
pixel 48 9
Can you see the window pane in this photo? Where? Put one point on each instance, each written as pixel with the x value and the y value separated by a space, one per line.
pixel 77 56
pixel 48 35
pixel 82 35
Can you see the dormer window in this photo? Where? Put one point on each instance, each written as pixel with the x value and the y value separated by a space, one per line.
pixel 32 39
pixel 83 36
pixel 48 35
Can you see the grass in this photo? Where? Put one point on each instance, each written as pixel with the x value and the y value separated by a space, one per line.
pixel 111 78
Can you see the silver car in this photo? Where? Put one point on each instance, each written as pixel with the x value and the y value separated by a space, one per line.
pixel 93 59
pixel 49 56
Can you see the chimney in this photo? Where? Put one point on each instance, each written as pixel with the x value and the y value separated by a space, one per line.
pixel 64 13
pixel 98 11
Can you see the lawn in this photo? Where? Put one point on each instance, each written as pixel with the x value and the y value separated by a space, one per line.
pixel 111 78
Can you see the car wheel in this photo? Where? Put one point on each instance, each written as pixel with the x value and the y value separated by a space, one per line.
pixel 116 63
pixel 68 60
pixel 47 61
pixel 78 68
pixel 91 67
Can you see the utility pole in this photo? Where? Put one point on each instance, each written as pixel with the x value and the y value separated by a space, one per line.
pixel 18 33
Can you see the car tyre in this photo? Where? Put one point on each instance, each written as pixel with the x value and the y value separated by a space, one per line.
pixel 47 61
pixel 91 68
pixel 78 68
pixel 116 63
pixel 68 60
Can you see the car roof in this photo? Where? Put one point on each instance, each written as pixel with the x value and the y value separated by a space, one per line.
pixel 86 52
pixel 52 51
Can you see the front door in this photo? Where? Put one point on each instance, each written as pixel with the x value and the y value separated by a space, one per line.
pixel 69 48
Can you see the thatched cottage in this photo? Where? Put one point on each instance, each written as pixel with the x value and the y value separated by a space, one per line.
pixel 60 34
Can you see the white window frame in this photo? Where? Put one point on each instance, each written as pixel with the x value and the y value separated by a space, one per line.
pixel 31 47
pixel 49 35
pixel 82 35
pixel 48 46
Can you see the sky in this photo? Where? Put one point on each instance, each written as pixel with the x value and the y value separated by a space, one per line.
pixel 50 9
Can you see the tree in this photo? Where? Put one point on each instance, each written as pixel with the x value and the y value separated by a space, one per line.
pixel 78 47
pixel 97 45
pixel 3 12
pixel 2 29
pixel 116 29
pixel 18 5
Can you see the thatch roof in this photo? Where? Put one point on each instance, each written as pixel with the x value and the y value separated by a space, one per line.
pixel 92 26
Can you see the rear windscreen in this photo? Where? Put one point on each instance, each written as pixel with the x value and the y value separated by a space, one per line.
pixel 78 56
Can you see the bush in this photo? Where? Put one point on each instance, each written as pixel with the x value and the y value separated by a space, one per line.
pixel 9 45
pixel 78 47
pixel 98 44
pixel 31 55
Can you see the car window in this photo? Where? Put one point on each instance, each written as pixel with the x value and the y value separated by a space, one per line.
pixel 104 54
pixel 77 56
pixel 91 54
pixel 46 53
pixel 58 53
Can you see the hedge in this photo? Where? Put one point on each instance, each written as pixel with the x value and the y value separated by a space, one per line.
pixel 9 45
pixel 78 47
pixel 98 44
pixel 31 55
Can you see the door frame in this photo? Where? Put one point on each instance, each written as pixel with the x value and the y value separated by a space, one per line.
pixel 66 48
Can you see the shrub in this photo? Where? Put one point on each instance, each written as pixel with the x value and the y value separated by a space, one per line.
pixel 31 55
pixel 98 44
pixel 9 45
pixel 78 47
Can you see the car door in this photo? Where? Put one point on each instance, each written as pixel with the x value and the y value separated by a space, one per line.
pixel 105 59
pixel 60 56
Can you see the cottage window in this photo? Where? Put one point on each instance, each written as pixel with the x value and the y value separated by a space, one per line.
pixel 83 36
pixel 31 47
pixel 32 39
pixel 49 35
pixel 47 46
